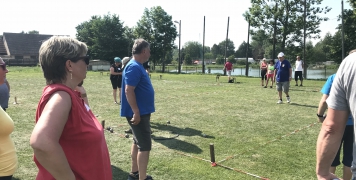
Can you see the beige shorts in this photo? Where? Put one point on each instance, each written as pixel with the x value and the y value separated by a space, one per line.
pixel 228 72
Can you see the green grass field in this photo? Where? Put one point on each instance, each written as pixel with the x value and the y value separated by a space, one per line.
pixel 242 120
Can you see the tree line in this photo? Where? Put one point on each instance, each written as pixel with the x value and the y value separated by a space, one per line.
pixel 276 26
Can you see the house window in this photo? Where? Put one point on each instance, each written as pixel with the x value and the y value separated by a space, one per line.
pixel 18 57
pixel 33 57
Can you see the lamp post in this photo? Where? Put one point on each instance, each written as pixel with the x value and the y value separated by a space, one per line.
pixel 179 63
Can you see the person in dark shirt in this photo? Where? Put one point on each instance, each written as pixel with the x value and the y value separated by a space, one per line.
pixel 116 77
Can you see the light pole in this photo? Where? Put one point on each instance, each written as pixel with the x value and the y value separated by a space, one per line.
pixel 179 63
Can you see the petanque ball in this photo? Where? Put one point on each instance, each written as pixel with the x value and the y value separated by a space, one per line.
pixel 127 136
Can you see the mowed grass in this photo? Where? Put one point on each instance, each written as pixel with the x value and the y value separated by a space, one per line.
pixel 242 120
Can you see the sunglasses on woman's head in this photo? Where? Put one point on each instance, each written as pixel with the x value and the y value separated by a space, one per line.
pixel 85 59
pixel 3 66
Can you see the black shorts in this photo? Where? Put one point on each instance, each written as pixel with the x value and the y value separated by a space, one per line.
pixel 116 83
pixel 142 133
pixel 347 145
pixel 263 74
pixel 298 74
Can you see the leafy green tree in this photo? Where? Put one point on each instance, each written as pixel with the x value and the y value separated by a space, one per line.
pixel 215 50
pixel 208 55
pixel 285 18
pixel 220 59
pixel 130 37
pixel 232 59
pixel 230 48
pixel 157 27
pixel 193 48
pixel 104 37
pixel 33 32
pixel 241 51
pixel 187 59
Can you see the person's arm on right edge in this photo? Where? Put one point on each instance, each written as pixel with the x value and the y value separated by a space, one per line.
pixel 329 141
pixel 131 99
pixel 45 136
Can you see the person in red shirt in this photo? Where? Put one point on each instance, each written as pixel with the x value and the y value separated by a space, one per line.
pixel 68 141
pixel 228 67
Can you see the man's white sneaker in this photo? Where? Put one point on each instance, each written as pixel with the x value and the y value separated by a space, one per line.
pixel 279 102
pixel 288 99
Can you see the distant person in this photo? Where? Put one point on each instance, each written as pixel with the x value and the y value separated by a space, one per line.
pixel 4 94
pixel 137 106
pixel 228 67
pixel 298 72
pixel 347 138
pixel 263 67
pixel 116 78
pixel 283 75
pixel 270 73
pixel 8 157
pixel 68 141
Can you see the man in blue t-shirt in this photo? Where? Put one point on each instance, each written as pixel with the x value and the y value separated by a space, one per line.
pixel 137 105
pixel 347 139
pixel 283 74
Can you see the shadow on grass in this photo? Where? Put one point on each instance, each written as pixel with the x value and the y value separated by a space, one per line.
pixel 305 105
pixel 13 178
pixel 177 144
pixel 175 130
pixel 118 173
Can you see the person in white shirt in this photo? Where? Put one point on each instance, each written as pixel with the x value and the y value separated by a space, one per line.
pixel 299 65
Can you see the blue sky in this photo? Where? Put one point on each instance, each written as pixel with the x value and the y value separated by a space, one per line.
pixel 61 17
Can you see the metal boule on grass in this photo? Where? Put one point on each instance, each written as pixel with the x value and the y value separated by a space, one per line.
pixel 112 130
pixel 204 135
pixel 127 136
pixel 168 122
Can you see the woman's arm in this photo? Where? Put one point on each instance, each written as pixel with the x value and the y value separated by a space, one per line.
pixel 112 71
pixel 45 136
pixel 322 107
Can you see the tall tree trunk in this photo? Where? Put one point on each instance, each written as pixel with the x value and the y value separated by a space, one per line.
pixel 286 24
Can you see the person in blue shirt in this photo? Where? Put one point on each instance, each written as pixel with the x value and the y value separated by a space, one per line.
pixel 137 104
pixel 283 75
pixel 347 139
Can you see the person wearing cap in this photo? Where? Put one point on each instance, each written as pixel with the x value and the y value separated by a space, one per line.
pixel 283 75
pixel 299 65
pixel 263 67
pixel 116 78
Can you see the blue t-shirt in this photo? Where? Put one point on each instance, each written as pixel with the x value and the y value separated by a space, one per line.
pixel 135 75
pixel 282 70
pixel 326 90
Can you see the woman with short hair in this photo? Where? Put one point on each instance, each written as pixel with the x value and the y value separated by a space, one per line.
pixel 68 141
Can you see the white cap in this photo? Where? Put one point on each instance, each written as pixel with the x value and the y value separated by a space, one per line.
pixel 281 54
pixel 263 59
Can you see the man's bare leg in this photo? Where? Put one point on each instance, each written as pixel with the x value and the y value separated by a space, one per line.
pixel 142 161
